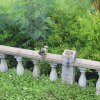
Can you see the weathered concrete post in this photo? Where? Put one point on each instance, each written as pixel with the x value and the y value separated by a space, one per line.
pixel 68 58
pixel 3 64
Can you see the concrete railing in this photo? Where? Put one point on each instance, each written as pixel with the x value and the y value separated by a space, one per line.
pixel 67 59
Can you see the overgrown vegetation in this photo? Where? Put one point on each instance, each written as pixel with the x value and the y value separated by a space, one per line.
pixel 75 26
pixel 25 87
pixel 60 24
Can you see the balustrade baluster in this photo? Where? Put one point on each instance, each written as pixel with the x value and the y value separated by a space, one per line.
pixel 36 71
pixel 3 64
pixel 20 68
pixel 82 79
pixel 53 73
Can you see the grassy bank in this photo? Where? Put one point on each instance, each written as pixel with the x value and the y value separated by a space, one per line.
pixel 13 87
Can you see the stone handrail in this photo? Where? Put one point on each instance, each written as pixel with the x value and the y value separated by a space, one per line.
pixel 67 59
pixel 50 57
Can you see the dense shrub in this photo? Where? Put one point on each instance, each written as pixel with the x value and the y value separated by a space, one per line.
pixel 81 34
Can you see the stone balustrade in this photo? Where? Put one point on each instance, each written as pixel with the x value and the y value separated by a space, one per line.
pixel 67 59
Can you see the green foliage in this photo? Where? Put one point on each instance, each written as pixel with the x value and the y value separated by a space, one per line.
pixel 13 87
pixel 44 67
pixel 13 39
pixel 80 33
pixel 3 19
pixel 36 17
pixel 31 18
pixel 60 24
pixel 89 36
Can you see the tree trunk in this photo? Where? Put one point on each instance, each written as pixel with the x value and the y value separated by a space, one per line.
pixel 97 4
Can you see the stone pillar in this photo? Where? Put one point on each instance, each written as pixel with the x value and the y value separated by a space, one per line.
pixel 36 71
pixel 98 85
pixel 20 68
pixel 53 74
pixel 3 64
pixel 68 58
pixel 82 79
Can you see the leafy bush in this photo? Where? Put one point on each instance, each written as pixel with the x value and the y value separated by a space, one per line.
pixel 80 34
pixel 89 34
pixel 31 16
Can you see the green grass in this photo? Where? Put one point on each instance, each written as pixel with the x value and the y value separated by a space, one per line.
pixel 13 87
